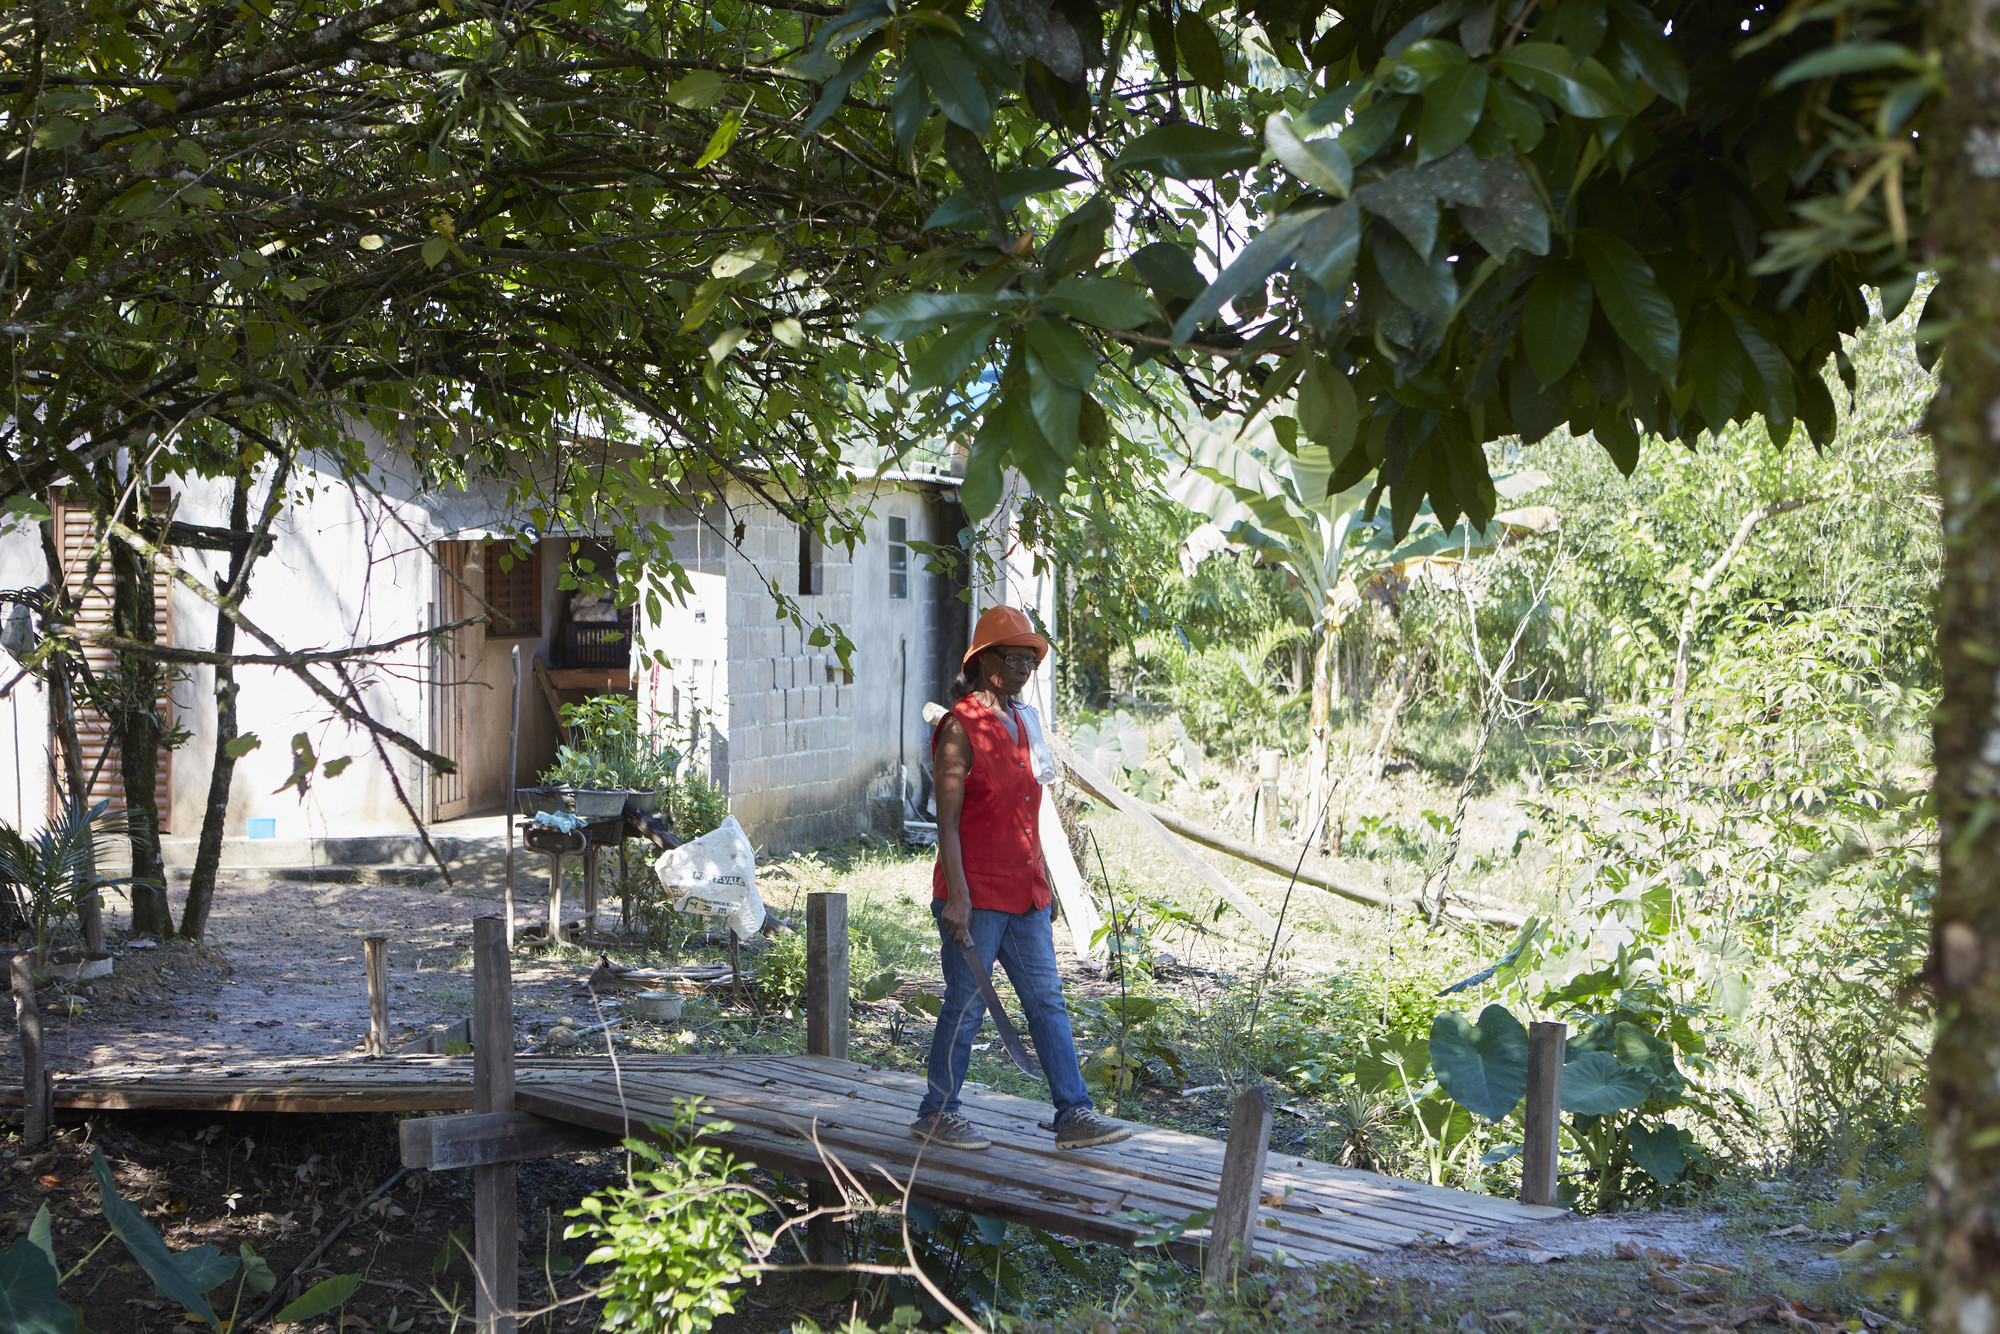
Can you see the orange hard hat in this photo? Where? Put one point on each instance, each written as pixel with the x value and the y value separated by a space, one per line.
pixel 1004 627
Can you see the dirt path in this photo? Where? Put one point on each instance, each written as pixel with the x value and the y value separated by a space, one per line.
pixel 284 977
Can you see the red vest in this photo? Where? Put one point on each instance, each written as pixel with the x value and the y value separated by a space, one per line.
pixel 999 827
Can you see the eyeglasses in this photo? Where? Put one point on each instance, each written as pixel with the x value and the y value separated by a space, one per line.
pixel 1020 662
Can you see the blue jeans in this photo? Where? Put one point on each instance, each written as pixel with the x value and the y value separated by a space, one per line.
pixel 1024 944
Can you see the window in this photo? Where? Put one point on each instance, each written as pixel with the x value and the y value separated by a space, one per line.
pixel 514 591
pixel 899 558
pixel 809 562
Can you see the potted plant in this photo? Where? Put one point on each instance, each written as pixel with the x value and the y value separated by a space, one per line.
pixel 579 781
pixel 53 873
pixel 607 762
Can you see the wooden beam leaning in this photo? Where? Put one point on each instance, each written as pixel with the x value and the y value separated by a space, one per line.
pixel 1241 1189
pixel 446 1143
pixel 1541 1149
pixel 1140 813
pixel 35 1097
pixel 375 951
pixel 826 974
pixel 496 1246
pixel 513 785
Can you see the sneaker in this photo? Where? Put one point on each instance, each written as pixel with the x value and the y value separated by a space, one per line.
pixel 949 1130
pixel 1085 1129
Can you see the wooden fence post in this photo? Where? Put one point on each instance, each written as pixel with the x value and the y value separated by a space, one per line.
pixel 495 1240
pixel 1541 1148
pixel 1241 1189
pixel 513 783
pixel 826 1035
pixel 375 949
pixel 35 1107
pixel 826 974
pixel 1265 827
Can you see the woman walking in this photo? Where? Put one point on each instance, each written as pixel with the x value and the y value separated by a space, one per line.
pixel 990 891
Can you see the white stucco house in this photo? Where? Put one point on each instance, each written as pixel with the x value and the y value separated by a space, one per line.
pixel 800 745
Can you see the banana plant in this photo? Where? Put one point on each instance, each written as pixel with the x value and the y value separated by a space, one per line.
pixel 1267 488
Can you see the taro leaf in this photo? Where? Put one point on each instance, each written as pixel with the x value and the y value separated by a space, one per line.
pixel 169 1279
pixel 1659 1151
pixel 1482 1066
pixel 993 1230
pixel 257 1271
pixel 42 1233
pixel 1133 1009
pixel 320 1298
pixel 1446 1121
pixel 29 1300
pixel 1187 151
pixel 1595 1084
pixel 1391 1059
pixel 207 1267
pixel 1132 743
pixel 1148 786
pixel 1512 218
pixel 881 985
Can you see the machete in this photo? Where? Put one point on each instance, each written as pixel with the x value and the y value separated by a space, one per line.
pixel 1010 1037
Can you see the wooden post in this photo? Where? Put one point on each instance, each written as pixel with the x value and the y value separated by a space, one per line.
pixel 1264 829
pixel 826 974
pixel 555 898
pixel 34 1083
pixel 1241 1189
pixel 624 886
pixel 1542 1147
pixel 589 884
pixel 513 782
pixel 826 1035
pixel 495 1244
pixel 375 949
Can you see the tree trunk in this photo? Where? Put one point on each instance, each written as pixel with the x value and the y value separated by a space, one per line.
pixel 222 771
pixel 1964 969
pixel 137 726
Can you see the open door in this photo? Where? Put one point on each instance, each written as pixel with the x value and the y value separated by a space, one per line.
pixel 77 534
pixel 453 658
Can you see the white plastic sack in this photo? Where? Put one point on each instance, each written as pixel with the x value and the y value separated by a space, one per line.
pixel 716 876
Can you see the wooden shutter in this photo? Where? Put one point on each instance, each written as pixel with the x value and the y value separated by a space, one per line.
pixel 77 535
pixel 515 595
pixel 452 660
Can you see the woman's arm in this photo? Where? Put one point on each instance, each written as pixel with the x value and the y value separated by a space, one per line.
pixel 950 764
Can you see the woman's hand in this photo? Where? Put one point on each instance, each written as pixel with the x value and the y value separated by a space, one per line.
pixel 957 918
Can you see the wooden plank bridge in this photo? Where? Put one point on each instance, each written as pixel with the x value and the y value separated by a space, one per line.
pixel 818 1115
pixel 785 1111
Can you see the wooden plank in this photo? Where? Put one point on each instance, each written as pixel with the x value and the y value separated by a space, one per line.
pixel 1179 851
pixel 1541 1148
pixel 480 1139
pixel 1241 1190
pixel 514 766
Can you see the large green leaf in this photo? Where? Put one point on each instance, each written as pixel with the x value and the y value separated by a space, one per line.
pixel 1483 1066
pixel 1320 163
pixel 914 313
pixel 1631 297
pixel 1272 247
pixel 1659 1151
pixel 1389 1061
pixel 1201 52
pixel 1329 413
pixel 1169 270
pixel 29 1300
pixel 1596 1084
pixel 1187 152
pixel 1548 69
pixel 962 210
pixel 1717 361
pixel 1328 247
pixel 1452 106
pixel 170 1280
pixel 1446 1121
pixel 321 1297
pixel 1104 302
pixel 951 79
pixel 953 352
